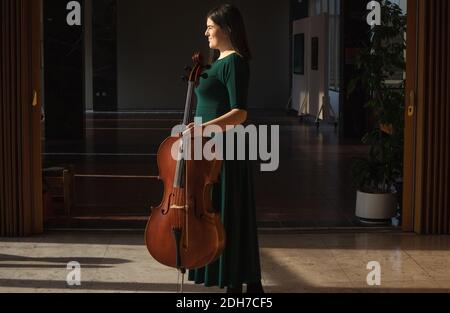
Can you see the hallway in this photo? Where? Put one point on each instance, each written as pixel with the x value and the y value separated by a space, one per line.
pixel 115 172
pixel 334 262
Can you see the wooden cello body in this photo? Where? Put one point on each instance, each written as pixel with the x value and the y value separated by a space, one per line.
pixel 185 231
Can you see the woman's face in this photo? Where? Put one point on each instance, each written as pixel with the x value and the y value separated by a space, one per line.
pixel 216 36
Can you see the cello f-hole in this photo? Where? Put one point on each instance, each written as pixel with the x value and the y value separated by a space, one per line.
pixel 166 211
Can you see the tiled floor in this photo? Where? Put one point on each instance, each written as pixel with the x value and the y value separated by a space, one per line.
pixel 119 262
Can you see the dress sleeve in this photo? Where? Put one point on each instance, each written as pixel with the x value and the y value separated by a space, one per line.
pixel 236 78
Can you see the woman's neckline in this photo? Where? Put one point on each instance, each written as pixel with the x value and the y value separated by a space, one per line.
pixel 233 53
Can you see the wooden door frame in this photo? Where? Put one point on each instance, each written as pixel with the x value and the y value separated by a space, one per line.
pixel 410 144
pixel 35 128
pixel 414 139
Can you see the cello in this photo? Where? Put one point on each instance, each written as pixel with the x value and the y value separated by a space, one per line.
pixel 185 231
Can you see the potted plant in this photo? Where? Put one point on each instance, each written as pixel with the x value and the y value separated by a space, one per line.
pixel 378 176
pixel 381 66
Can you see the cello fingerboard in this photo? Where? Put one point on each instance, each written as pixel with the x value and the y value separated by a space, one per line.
pixel 181 163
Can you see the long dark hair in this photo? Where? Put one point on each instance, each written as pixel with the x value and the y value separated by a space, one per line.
pixel 230 20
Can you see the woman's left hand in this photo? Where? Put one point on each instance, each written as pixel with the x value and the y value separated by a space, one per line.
pixel 192 129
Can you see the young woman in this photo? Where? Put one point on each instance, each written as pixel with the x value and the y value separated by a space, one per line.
pixel 222 101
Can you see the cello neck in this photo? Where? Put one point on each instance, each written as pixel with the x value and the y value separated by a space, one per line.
pixel 179 170
pixel 188 107
pixel 194 77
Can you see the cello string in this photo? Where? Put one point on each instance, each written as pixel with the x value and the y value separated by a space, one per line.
pixel 180 200
pixel 186 205
pixel 182 282
pixel 178 281
pixel 178 196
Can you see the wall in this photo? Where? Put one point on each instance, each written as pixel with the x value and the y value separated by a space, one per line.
pixel 88 79
pixel 63 56
pixel 318 80
pixel 300 83
pixel 314 84
pixel 155 42
pixel 334 102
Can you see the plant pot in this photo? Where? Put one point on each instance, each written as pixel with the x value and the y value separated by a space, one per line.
pixel 376 207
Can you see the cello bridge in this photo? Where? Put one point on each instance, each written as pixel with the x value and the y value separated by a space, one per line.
pixel 180 207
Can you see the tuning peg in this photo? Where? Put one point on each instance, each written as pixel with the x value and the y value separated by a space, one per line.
pixel 204 76
pixel 188 68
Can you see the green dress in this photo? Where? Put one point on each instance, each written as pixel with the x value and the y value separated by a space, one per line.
pixel 226 88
